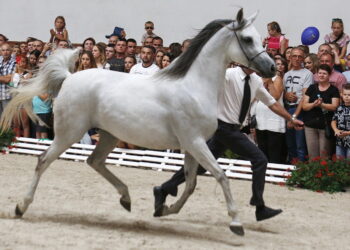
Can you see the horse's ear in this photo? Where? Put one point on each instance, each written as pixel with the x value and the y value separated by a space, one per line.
pixel 239 17
pixel 252 18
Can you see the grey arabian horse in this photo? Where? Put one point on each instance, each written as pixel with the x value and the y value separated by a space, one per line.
pixel 175 108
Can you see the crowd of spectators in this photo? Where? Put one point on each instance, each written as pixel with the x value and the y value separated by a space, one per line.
pixel 314 87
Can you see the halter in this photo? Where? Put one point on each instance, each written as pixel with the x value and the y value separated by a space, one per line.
pixel 250 60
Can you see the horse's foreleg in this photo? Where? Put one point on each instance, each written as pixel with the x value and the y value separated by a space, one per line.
pixel 58 146
pixel 202 154
pixel 190 168
pixel 97 161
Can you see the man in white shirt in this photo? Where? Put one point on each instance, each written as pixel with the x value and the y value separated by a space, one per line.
pixel 235 95
pixel 146 67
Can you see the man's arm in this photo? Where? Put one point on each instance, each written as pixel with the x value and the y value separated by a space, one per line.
pixel 279 110
pixel 5 79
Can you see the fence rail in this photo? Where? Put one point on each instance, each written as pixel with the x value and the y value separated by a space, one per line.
pixel 149 159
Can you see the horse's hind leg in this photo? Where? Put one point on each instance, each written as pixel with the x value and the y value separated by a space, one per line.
pixel 97 161
pixel 190 169
pixel 58 146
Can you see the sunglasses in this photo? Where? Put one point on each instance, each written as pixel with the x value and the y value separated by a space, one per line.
pixel 339 20
pixel 149 28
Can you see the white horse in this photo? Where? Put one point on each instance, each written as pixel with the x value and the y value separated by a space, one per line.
pixel 176 108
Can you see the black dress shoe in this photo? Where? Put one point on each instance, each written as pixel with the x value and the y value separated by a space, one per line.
pixel 263 213
pixel 159 197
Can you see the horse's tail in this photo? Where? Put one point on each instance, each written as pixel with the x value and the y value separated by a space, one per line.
pixel 49 80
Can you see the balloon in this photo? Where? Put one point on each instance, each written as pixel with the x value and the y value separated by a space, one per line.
pixel 310 35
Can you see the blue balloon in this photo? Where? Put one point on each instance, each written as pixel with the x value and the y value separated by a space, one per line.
pixel 310 35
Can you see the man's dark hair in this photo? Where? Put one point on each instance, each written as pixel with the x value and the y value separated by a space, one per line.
pixel 31 39
pixel 89 39
pixel 131 40
pixel 150 47
pixel 158 38
pixel 122 39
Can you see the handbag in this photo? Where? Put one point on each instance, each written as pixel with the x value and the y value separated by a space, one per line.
pixel 328 131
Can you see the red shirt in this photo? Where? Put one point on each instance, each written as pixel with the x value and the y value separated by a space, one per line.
pixel 275 42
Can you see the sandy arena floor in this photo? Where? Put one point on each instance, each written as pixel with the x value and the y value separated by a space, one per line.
pixel 74 208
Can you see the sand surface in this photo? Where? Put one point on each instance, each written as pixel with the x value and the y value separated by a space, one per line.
pixel 74 208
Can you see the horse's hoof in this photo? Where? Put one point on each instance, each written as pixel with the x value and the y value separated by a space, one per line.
pixel 237 229
pixel 18 212
pixel 126 204
pixel 158 212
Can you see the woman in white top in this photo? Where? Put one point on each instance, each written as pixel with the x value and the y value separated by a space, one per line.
pixel 270 127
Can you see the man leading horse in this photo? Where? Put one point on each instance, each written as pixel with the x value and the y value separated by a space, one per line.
pixel 242 86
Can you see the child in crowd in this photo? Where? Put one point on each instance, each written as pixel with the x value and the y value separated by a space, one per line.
pixel 275 40
pixel 338 36
pixel 149 27
pixel 59 32
pixel 129 61
pixel 341 125
pixel 42 107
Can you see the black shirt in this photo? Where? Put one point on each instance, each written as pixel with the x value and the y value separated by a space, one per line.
pixel 314 118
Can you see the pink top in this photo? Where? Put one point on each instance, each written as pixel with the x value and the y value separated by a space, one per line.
pixel 274 42
pixel 343 41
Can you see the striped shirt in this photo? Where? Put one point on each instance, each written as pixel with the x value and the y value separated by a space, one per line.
pixel 6 68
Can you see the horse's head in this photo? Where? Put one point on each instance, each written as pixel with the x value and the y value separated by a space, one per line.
pixel 247 48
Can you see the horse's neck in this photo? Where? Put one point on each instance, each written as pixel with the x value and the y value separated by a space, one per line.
pixel 207 74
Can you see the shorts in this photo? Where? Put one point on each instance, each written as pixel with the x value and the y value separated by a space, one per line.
pixel 44 125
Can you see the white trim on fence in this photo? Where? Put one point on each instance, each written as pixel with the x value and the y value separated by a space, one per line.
pixel 157 160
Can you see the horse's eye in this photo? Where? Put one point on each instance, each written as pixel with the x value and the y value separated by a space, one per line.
pixel 247 39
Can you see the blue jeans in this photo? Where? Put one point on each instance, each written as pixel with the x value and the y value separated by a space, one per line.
pixel 296 143
pixel 342 152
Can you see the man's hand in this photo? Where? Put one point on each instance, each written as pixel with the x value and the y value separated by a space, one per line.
pixel 291 96
pixel 296 124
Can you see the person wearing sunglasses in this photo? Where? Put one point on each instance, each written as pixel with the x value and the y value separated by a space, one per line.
pixel 149 27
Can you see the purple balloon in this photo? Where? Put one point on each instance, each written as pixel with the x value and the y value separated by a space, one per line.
pixel 310 35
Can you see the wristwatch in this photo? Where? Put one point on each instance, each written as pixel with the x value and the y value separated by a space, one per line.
pixel 294 116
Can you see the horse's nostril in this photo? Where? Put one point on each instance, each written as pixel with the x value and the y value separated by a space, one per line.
pixel 273 68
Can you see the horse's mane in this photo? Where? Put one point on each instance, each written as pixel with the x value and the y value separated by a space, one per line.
pixel 183 63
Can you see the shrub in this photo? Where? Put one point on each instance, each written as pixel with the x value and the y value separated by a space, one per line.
pixel 320 174
pixel 6 139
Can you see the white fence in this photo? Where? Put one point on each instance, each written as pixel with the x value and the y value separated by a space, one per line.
pixel 157 160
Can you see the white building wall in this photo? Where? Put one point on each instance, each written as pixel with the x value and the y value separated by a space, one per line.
pixel 175 20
